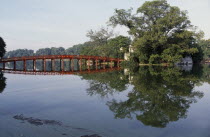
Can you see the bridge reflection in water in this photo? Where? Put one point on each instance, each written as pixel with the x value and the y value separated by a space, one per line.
pixel 84 71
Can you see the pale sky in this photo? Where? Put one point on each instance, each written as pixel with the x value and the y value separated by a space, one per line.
pixel 35 24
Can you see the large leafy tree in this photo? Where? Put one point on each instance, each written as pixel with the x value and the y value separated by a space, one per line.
pixel 162 33
pixel 2 47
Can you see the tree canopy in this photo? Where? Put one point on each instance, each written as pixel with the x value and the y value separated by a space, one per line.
pixel 102 43
pixel 205 45
pixel 162 33
pixel 2 47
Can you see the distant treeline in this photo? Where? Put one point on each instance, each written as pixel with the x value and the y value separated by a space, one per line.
pixel 75 50
pixel 101 44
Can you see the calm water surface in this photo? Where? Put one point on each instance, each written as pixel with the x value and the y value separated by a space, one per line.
pixel 142 102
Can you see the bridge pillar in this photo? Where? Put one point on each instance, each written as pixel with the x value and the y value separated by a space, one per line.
pixel 96 63
pixel 118 63
pixel 3 65
pixel 80 62
pixel 53 64
pixel 24 65
pixel 111 64
pixel 72 64
pixel 62 65
pixel 34 65
pixel 104 65
pixel 44 64
pixel 14 65
pixel 88 67
pixel 80 65
pixel 69 64
pixel 88 62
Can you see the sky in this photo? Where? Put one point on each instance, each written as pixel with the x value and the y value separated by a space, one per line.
pixel 35 24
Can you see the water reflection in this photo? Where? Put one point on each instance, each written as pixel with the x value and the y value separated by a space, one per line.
pixel 105 84
pixel 2 82
pixel 156 97
pixel 160 95
pixel 77 71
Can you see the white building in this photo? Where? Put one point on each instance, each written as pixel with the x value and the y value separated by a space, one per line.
pixel 130 50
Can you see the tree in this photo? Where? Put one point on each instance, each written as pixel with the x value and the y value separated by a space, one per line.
pixel 44 51
pixel 205 45
pixel 102 44
pixel 76 49
pixel 159 29
pixel 19 53
pixel 116 44
pixel 58 51
pixel 100 37
pixel 2 47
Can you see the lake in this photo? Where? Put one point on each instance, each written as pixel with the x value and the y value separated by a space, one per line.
pixel 138 102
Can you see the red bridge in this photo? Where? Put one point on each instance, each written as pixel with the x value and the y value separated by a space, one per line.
pixel 82 59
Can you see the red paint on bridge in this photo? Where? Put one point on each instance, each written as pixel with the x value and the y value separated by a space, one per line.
pixel 95 60
pixel 107 59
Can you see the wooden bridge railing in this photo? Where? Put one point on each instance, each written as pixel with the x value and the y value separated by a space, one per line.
pixel 96 60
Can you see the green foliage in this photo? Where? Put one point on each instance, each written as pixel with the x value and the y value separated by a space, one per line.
pixel 76 49
pixel 58 51
pixel 116 44
pixel 2 47
pixel 108 47
pixel 90 49
pixel 100 37
pixel 19 53
pixel 154 59
pixel 172 54
pixel 43 51
pixel 158 28
pixel 105 83
pixel 205 46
